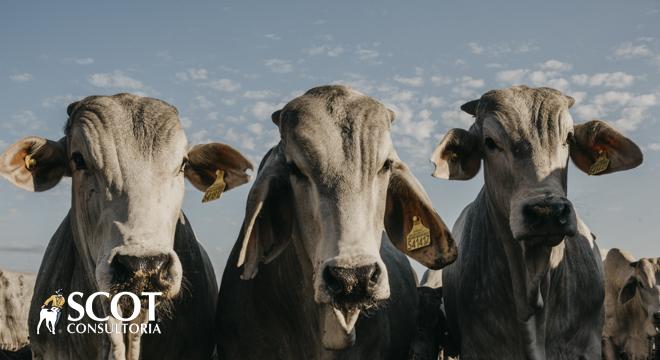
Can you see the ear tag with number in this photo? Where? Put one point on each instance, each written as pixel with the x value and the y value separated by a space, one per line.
pixel 215 190
pixel 600 165
pixel 419 236
pixel 30 162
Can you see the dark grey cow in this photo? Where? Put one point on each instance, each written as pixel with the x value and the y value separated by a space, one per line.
pixel 127 157
pixel 328 287
pixel 528 280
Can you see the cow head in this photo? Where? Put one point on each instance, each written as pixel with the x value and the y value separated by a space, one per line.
pixel 644 279
pixel 525 136
pixel 127 157
pixel 330 186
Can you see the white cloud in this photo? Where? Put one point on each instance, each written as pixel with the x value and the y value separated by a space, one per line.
pixel 511 76
pixel 654 146
pixel 59 101
pixel 272 37
pixel 475 48
pixel 25 120
pixel 328 50
pixel 21 78
pixel 615 80
pixel 555 65
pixel 627 110
pixel 466 86
pixel 263 110
pixel 367 55
pixel 258 94
pixel 116 79
pixel 415 81
pixel 629 50
pixel 457 119
pixel 84 61
pixel 192 74
pixel 186 123
pixel 434 101
pixel 439 80
pixel 279 66
pixel 226 85
pixel 201 102
pixel 255 128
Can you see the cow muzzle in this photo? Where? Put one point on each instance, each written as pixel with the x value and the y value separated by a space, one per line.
pixel 146 273
pixel 546 221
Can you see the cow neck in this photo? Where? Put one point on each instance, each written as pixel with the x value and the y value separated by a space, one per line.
pixel 84 258
pixel 528 271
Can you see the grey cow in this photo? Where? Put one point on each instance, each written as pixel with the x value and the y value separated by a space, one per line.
pixel 327 286
pixel 15 295
pixel 528 281
pixel 127 157
pixel 632 306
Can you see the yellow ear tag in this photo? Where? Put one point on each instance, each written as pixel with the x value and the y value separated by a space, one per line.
pixel 600 165
pixel 215 190
pixel 419 236
pixel 30 162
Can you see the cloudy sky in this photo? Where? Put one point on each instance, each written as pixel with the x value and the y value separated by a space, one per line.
pixel 227 65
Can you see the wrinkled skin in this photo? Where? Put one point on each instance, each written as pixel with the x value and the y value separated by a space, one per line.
pixel 127 157
pixel 315 217
pixel 528 280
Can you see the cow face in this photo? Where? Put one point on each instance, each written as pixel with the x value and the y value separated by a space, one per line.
pixel 525 137
pixel 127 157
pixel 645 280
pixel 332 184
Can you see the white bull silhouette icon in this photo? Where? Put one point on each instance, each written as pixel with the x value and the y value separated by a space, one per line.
pixel 50 315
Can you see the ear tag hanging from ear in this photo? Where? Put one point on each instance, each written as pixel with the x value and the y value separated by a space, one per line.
pixel 30 162
pixel 419 236
pixel 215 190
pixel 601 163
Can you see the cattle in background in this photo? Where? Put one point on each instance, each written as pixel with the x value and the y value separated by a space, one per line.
pixel 15 295
pixel 127 157
pixel 632 306
pixel 327 285
pixel 528 280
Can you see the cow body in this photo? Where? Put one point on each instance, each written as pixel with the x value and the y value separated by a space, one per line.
pixel 276 315
pixel 15 295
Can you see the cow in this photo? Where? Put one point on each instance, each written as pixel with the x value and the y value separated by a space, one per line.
pixel 328 285
pixel 15 294
pixel 127 157
pixel 632 306
pixel 528 282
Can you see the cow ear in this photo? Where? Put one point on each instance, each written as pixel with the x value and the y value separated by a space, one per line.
pixel 203 162
pixel 34 163
pixel 408 205
pixel 628 290
pixel 267 225
pixel 470 107
pixel 458 156
pixel 597 148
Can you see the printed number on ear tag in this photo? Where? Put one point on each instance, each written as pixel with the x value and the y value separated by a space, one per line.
pixel 217 188
pixel 419 236
pixel 600 165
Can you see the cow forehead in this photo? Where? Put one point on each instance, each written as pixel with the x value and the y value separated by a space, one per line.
pixel 335 127
pixel 524 113
pixel 145 124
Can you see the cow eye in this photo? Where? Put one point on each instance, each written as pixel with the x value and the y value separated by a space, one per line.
pixel 295 170
pixel 387 166
pixel 491 144
pixel 78 161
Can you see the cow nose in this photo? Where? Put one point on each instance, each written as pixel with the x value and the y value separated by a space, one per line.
pixel 554 213
pixel 145 265
pixel 351 284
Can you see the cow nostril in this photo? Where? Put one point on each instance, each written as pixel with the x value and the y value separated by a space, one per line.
pixel 332 280
pixel 129 264
pixel 374 276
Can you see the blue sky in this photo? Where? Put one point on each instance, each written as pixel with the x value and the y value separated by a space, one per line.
pixel 227 65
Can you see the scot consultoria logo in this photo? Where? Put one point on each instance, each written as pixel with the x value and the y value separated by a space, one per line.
pixel 50 311
pixel 98 324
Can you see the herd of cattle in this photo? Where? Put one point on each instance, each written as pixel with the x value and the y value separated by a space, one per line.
pixel 311 275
